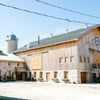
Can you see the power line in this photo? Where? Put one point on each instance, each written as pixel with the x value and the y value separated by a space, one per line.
pixel 49 16
pixel 67 9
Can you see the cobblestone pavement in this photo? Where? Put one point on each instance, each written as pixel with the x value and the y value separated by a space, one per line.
pixel 49 91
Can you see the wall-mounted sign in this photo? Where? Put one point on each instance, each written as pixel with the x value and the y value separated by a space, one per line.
pixel 97 41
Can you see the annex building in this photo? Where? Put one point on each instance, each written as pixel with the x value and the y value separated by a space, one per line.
pixel 10 63
pixel 74 55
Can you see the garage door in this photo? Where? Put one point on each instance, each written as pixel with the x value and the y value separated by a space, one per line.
pixel 83 77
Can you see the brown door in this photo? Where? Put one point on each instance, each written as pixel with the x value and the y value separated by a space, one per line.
pixel 19 76
pixel 94 77
pixel 83 77
pixel 47 77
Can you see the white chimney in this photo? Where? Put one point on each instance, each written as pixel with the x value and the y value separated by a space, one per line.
pixel 85 26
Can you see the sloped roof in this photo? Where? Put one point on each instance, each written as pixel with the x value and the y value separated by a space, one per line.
pixel 57 39
pixel 10 57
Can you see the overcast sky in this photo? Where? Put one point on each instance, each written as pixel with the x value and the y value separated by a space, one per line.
pixel 28 26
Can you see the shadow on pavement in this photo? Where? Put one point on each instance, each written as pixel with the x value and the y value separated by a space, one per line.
pixel 10 98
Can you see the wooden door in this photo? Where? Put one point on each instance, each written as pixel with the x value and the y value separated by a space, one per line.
pixel 19 76
pixel 94 77
pixel 83 77
pixel 47 77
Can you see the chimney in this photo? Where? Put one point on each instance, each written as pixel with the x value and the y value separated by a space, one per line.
pixel 38 39
pixel 85 26
pixel 51 35
pixel 66 31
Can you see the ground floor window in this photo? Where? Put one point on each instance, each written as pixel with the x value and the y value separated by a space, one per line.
pixel 34 74
pixel 99 74
pixel 55 74
pixel 41 74
pixel 65 74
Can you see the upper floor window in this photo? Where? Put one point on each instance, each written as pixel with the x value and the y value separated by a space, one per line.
pixel 88 59
pixel 17 64
pixel 80 57
pixel 9 63
pixel 61 60
pixel 85 59
pixel 66 59
pixel 72 59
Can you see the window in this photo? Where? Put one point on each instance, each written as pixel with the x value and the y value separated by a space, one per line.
pixel 41 74
pixel 34 74
pixel 61 60
pixel 8 73
pixel 65 74
pixel 80 58
pixel 94 65
pixel 66 59
pixel 72 59
pixel 88 59
pixel 8 63
pixel 85 59
pixel 17 64
pixel 55 74
pixel 99 66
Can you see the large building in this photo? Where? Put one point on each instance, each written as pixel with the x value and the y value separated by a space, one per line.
pixel 74 55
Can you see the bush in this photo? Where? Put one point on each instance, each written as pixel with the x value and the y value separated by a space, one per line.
pixel 55 80
pixel 28 79
pixel 9 78
pixel 65 80
pixel 40 79
pixel 74 82
pixel 98 80
pixel 34 79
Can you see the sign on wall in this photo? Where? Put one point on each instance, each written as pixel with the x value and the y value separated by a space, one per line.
pixel 97 41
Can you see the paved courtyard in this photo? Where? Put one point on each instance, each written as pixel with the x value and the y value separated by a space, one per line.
pixel 49 91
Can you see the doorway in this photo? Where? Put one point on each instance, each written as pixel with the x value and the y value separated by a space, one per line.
pixel 47 77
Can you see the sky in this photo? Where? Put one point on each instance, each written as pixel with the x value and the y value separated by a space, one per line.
pixel 27 26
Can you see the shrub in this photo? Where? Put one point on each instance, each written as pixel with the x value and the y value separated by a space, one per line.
pixel 34 79
pixel 98 80
pixel 40 79
pixel 74 82
pixel 65 80
pixel 9 78
pixel 55 80
pixel 28 79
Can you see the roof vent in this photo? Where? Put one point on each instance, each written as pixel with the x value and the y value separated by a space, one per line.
pixel 38 39
pixel 28 46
